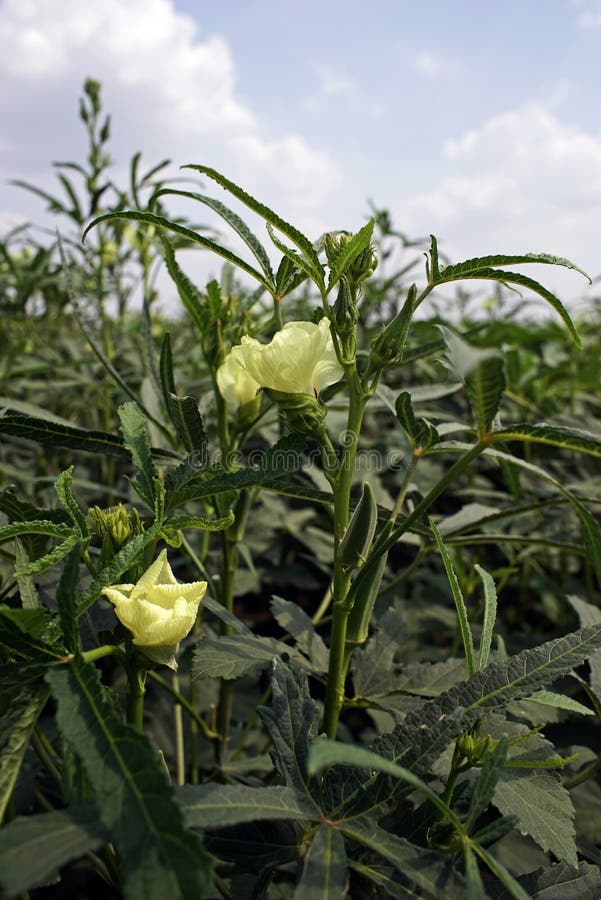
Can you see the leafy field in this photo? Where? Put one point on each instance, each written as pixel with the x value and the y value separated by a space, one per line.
pixel 299 588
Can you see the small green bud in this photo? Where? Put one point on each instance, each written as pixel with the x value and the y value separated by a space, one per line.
pixel 388 346
pixel 333 242
pixel 361 529
pixel 345 314
pixel 305 414
pixel 364 264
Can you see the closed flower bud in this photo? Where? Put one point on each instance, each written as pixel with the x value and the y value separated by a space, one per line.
pixel 363 265
pixel 333 242
pixel 387 348
pixel 304 412
pixel 299 360
pixel 158 610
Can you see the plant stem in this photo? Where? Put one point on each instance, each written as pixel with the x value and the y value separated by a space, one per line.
pixel 179 737
pixel 194 715
pixel 136 689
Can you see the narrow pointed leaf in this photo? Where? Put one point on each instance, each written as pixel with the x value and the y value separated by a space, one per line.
pixel 325 871
pixel 303 243
pixel 52 434
pixel 166 369
pixel 135 435
pixel 188 292
pixel 296 258
pixel 52 557
pixel 490 616
pixel 188 424
pixel 484 787
pixel 553 435
pixel 66 598
pixel 34 848
pixel 462 616
pixel 159 857
pixel 458 270
pixel 64 490
pixel 193 236
pixel 234 221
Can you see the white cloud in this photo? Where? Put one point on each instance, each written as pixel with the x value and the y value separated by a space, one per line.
pixel 589 16
pixel 335 85
pixel 524 180
pixel 428 64
pixel 171 92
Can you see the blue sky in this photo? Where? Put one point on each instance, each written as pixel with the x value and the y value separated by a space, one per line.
pixel 476 120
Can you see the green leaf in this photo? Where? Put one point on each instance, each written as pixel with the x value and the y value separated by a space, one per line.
pixel 166 369
pixel 51 434
pixel 298 239
pixel 428 870
pixel 233 655
pixel 288 277
pixel 16 726
pixel 162 222
pixel 589 615
pixel 560 701
pixel 483 374
pixel 325 872
pixel 21 631
pixel 223 615
pixel 420 431
pixel 65 598
pixel 474 884
pixel 522 280
pixel 52 529
pixel 234 221
pixel 129 555
pixel 188 292
pixel 297 259
pixel 543 807
pixel 159 857
pixel 135 435
pixel 219 805
pixel 34 848
pixel 64 491
pixel 553 435
pixel 459 270
pixel 561 882
pixel 374 666
pixel 292 722
pixel 349 251
pixel 51 558
pixel 486 782
pixel 202 522
pixel 257 845
pixel 490 616
pixel 189 425
pixel 462 617
pixel 297 623
pixel 27 589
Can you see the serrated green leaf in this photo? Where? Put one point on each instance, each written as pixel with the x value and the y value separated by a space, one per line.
pixel 16 726
pixel 50 559
pixel 219 805
pixel 483 374
pixel 166 369
pixel 543 807
pixel 188 292
pixel 374 668
pixel 51 434
pixel 553 435
pixel 349 251
pixel 297 259
pixel 489 274
pixel 233 655
pixel 430 871
pixel 65 598
pixel 234 221
pixel 188 424
pixel 458 270
pixel 474 888
pixel 561 882
pixel 484 788
pixel 462 616
pixel 325 871
pixel 420 431
pixel 589 615
pixel 292 722
pixel 188 234
pixel 298 239
pixel 15 529
pixel 560 701
pixel 159 857
pixel 288 277
pixel 27 589
pixel 490 616
pixel 202 522
pixel 297 623
pixel 64 490
pixel 135 436
pixel 34 848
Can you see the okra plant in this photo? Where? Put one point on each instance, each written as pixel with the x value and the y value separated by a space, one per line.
pixel 456 764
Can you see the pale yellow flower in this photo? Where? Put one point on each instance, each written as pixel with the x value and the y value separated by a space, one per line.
pixel 299 360
pixel 236 384
pixel 158 610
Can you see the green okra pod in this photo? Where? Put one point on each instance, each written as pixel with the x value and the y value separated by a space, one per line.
pixel 360 531
pixel 363 594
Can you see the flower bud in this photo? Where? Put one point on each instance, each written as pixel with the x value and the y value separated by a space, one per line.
pixel 157 610
pixel 305 414
pixel 387 348
pixel 333 242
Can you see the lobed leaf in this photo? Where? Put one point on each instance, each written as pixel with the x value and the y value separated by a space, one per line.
pixel 159 857
pixel 219 805
pixel 325 871
pixel 233 655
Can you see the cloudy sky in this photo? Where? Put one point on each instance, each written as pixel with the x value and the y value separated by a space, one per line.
pixel 475 120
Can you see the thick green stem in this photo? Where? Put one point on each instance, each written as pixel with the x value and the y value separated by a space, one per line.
pixel 341 581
